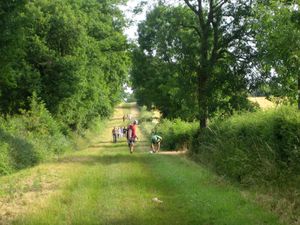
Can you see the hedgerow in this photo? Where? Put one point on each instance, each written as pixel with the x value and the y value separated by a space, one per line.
pixel 262 146
pixel 29 138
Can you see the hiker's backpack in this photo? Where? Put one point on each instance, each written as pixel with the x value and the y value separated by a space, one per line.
pixel 129 132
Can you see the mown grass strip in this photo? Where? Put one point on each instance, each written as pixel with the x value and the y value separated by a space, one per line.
pixel 118 188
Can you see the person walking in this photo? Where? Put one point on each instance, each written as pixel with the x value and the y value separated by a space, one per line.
pixel 124 131
pixel 114 134
pixel 121 132
pixel 131 135
pixel 117 131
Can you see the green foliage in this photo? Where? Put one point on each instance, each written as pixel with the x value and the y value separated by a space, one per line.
pixel 161 75
pixel 260 147
pixel 145 115
pixel 62 66
pixel 168 64
pixel 278 38
pixel 130 97
pixel 72 54
pixel 176 134
pixel 30 138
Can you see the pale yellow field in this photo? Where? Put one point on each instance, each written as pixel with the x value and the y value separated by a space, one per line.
pixel 262 102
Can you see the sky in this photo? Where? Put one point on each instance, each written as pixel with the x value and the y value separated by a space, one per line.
pixel 131 31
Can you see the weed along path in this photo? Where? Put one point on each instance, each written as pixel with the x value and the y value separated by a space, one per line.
pixel 105 184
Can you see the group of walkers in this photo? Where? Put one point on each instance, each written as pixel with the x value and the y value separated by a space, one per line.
pixel 131 136
pixel 118 132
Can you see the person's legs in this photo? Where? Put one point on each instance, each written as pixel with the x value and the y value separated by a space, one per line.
pixel 158 147
pixel 153 147
pixel 130 145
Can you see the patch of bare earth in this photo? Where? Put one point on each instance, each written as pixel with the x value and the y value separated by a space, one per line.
pixel 172 152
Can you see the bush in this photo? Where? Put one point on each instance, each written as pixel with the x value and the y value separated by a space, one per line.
pixel 251 147
pixel 30 138
pixel 176 134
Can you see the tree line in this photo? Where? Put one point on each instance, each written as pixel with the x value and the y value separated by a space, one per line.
pixel 71 54
pixel 194 60
pixel 201 59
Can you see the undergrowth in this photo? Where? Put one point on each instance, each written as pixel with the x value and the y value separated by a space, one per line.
pixel 34 136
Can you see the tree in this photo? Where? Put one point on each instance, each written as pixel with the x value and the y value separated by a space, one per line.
pixel 222 29
pixel 278 42
pixel 196 65
pixel 161 72
pixel 71 53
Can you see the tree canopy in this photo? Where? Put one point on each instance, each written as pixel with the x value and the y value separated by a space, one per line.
pixel 201 59
pixel 278 42
pixel 194 60
pixel 72 54
pixel 196 57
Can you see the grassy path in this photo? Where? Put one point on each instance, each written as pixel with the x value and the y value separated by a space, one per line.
pixel 104 184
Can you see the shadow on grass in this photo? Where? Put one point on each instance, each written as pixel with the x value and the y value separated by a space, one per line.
pixel 22 153
pixel 129 220
pixel 122 141
pixel 115 146
pixel 104 159
pixel 104 144
pixel 110 146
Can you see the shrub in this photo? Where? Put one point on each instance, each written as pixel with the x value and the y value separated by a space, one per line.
pixel 30 138
pixel 262 146
pixel 176 134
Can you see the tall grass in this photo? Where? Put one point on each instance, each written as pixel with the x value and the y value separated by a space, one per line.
pixel 262 146
pixel 176 134
pixel 112 186
pixel 252 147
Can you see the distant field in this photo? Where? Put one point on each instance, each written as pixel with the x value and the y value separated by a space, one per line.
pixel 262 102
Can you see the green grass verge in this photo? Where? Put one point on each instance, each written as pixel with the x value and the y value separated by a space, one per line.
pixel 118 188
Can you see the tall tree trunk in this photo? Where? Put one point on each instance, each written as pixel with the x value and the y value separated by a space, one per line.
pixel 202 99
